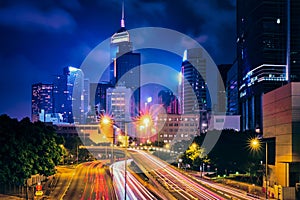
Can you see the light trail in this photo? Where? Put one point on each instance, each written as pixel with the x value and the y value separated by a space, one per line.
pixel 181 184
pixel 134 189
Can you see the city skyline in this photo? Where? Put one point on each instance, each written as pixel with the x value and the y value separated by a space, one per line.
pixel 41 38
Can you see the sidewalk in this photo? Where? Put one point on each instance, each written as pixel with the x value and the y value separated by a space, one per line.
pixel 52 188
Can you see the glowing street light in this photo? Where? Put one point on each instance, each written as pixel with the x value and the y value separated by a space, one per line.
pixel 142 127
pixel 106 120
pixel 144 122
pixel 106 126
pixel 255 144
pixel 146 119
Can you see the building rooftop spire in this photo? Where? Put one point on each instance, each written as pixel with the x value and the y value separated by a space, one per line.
pixel 122 34
pixel 123 13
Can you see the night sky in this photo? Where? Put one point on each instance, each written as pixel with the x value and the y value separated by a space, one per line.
pixel 39 38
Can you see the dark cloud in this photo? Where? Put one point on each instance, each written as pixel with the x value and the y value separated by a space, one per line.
pixel 211 23
pixel 39 38
pixel 27 17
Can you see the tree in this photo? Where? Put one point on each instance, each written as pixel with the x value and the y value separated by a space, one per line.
pixel 195 155
pixel 229 155
pixel 27 149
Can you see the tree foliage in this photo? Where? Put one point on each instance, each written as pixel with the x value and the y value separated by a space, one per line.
pixel 195 155
pixel 27 149
pixel 230 154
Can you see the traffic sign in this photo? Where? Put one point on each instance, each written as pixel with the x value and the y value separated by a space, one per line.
pixel 38 187
pixel 39 193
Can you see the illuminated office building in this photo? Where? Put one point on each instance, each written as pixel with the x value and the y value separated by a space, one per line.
pixel 193 86
pixel 41 100
pixel 124 68
pixel 268 48
pixel 118 105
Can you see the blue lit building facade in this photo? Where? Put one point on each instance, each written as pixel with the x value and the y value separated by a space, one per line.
pixel 68 98
pixel 268 49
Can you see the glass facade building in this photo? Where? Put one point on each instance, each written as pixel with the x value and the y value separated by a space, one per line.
pixel 68 98
pixel 268 48
pixel 118 105
pixel 193 87
pixel 125 66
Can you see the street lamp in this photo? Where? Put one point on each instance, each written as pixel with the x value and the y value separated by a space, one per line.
pixel 255 144
pixel 105 120
pixel 146 122
pixel 106 124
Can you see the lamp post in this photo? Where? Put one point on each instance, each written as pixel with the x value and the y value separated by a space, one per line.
pixel 106 124
pixel 255 144
pixel 146 121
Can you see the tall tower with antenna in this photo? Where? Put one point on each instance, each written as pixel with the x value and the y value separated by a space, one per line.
pixel 122 20
pixel 119 44
pixel 124 67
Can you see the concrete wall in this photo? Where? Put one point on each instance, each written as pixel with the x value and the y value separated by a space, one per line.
pixel 281 119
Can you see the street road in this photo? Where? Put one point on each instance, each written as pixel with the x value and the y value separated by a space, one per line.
pixel 91 180
pixel 176 183
pixel 134 189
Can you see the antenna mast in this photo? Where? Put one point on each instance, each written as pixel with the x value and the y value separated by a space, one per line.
pixel 123 13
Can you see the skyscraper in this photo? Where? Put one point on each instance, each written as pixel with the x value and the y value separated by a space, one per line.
pixel 124 68
pixel 41 100
pixel 68 98
pixel 193 81
pixel 268 48
pixel 193 88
